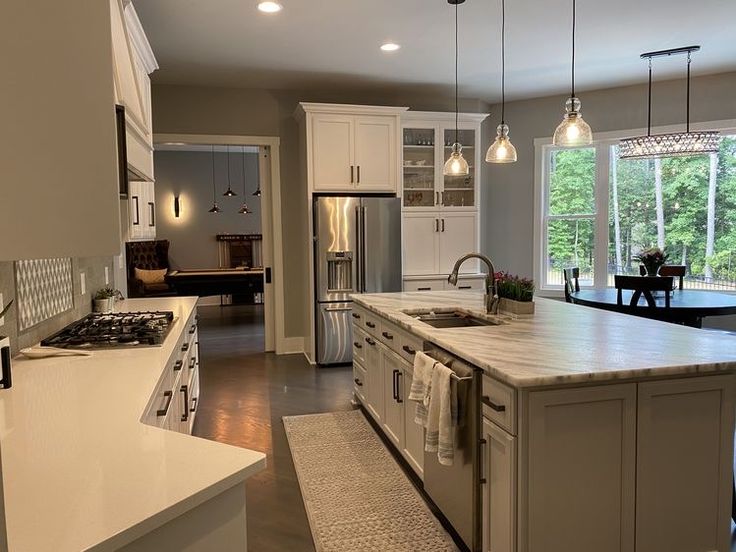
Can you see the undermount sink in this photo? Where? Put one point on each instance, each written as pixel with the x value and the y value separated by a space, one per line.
pixel 453 319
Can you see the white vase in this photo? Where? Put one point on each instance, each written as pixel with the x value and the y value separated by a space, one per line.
pixel 104 305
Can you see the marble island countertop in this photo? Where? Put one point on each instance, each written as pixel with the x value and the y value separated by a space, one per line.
pixel 560 343
pixel 80 469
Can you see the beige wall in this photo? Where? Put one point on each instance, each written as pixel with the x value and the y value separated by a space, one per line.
pixel 201 110
pixel 508 201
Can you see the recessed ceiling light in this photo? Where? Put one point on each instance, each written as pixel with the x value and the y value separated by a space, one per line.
pixel 270 7
pixel 390 47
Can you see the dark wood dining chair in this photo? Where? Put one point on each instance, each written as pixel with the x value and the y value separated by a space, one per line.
pixel 643 286
pixel 572 283
pixel 677 271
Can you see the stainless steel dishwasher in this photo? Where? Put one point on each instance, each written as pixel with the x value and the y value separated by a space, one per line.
pixel 456 489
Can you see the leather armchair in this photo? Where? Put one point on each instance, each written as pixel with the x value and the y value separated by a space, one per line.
pixel 148 255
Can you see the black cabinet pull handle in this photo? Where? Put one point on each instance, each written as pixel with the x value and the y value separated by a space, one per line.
pixel 162 412
pixel 177 365
pixel 137 220
pixel 387 335
pixel 497 407
pixel 192 362
pixel 436 225
pixel 192 329
pixel 482 443
pixel 152 211
pixel 424 289
pixel 352 178
pixel 358 382
pixel 369 341
pixel 395 384
pixel 356 315
pixel 7 380
pixel 357 345
pixel 465 287
pixel 399 374
pixel 370 325
pixel 409 350
pixel 358 174
pixel 185 389
pixel 185 347
pixel 443 225
pixel 194 404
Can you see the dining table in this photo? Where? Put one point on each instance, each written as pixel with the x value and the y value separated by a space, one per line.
pixel 687 306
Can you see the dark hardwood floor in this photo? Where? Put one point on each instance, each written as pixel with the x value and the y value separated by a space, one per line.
pixel 245 392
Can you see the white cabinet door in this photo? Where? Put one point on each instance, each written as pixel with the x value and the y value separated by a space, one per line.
pixel 458 236
pixel 333 164
pixel 581 470
pixel 421 243
pixel 373 378
pixel 413 433
pixel 375 153
pixel 149 208
pixel 685 427
pixel 499 490
pixel 136 210
pixel 393 420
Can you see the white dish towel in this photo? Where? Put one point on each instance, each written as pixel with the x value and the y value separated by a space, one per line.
pixel 420 386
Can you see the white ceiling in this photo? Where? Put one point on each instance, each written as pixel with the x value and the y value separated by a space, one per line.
pixel 333 44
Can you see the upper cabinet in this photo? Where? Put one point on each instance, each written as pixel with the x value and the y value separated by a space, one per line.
pixel 351 148
pixel 133 62
pixel 58 156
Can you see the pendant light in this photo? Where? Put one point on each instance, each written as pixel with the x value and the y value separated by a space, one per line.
pixel 214 208
pixel 244 210
pixel 573 131
pixel 673 144
pixel 456 165
pixel 229 192
pixel 502 150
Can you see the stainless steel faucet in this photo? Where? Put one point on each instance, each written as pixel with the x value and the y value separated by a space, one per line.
pixel 491 296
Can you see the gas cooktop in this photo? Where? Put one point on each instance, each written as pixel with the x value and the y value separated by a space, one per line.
pixel 114 330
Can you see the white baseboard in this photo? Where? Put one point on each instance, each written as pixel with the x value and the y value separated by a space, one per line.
pixel 290 345
pixel 309 359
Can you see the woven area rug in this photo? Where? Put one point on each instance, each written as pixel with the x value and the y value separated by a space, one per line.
pixel 356 495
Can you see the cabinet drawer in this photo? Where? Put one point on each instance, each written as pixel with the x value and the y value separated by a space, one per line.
pixel 424 285
pixel 499 404
pixel 409 345
pixel 390 335
pixel 359 379
pixel 469 283
pixel 372 325
pixel 359 345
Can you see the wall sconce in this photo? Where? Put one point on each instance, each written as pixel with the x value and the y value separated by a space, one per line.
pixel 177 206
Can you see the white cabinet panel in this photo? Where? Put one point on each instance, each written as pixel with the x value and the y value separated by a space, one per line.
pixel 684 427
pixel 413 433
pixel 421 243
pixel 332 152
pixel 458 232
pixel 393 421
pixel 375 153
pixel 499 490
pixel 373 379
pixel 142 211
pixel 424 285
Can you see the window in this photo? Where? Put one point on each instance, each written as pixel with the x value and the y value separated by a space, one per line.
pixel 598 211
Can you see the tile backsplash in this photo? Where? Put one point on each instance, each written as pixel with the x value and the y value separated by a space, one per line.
pixel 48 295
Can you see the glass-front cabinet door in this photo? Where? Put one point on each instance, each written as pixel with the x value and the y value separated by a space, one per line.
pixel 459 191
pixel 420 167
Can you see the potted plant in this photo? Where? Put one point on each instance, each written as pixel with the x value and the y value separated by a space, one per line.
pixel 516 294
pixel 652 260
pixel 105 298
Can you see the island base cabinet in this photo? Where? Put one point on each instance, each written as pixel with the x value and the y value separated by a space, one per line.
pixel 374 387
pixel 217 524
pixel 413 432
pixel 499 489
pixel 393 419
pixel 581 470
pixel 684 471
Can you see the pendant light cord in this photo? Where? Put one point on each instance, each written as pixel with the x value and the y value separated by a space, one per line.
pixel 572 78
pixel 649 101
pixel 243 158
pixel 228 168
pixel 503 61
pixel 214 191
pixel 456 62
pixel 687 109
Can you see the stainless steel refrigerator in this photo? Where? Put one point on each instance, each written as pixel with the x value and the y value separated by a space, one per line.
pixel 357 249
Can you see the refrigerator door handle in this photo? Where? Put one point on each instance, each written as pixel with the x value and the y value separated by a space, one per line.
pixel 359 256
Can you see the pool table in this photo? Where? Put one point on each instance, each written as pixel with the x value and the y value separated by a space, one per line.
pixel 216 281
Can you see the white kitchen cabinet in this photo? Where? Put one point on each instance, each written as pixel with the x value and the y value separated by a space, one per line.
pixel 374 393
pixel 350 148
pixel 142 211
pixel 499 489
pixel 424 283
pixel 684 427
pixel 582 470
pixel 393 374
pixel 434 241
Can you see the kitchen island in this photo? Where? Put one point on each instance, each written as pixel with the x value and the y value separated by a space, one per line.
pixel 82 471
pixel 601 431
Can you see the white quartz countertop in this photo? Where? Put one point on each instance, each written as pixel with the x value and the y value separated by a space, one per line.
pixel 81 471
pixel 562 343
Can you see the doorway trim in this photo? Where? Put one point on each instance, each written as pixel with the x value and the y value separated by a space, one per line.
pixel 269 149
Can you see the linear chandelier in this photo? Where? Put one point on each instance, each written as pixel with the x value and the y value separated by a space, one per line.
pixel 674 144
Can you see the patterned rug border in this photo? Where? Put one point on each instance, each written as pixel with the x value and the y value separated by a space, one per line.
pixel 318 545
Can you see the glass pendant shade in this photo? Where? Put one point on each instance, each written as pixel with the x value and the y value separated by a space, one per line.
pixel 501 150
pixel 573 131
pixel 456 165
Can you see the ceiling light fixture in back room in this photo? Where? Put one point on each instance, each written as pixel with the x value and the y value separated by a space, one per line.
pixel 456 165
pixel 229 192
pixel 270 7
pixel 244 210
pixel 676 143
pixel 573 131
pixel 214 208
pixel 502 150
